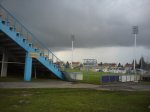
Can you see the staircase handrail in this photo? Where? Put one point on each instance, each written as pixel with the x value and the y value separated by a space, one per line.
pixel 33 37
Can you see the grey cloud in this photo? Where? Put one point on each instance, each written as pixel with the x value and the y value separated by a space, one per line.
pixel 95 23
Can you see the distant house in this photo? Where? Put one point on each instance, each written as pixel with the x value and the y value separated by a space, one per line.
pixel 120 70
pixel 113 65
pixel 128 66
pixel 109 65
pixel 76 64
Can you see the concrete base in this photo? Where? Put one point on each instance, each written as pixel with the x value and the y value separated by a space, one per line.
pixel 4 64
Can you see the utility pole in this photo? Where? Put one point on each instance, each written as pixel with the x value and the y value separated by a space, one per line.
pixel 135 32
pixel 72 40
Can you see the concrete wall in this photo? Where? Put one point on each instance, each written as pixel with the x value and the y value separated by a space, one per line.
pixel 76 76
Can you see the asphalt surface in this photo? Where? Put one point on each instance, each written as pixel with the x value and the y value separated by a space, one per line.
pixel 63 84
pixel 128 86
pixel 50 84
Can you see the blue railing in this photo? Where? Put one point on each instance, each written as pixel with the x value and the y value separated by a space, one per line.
pixel 24 33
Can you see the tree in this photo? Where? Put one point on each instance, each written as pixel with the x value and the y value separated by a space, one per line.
pixel 101 63
pixel 148 66
pixel 142 64
pixel 119 65
pixel 136 65
pixel 81 65
pixel 67 65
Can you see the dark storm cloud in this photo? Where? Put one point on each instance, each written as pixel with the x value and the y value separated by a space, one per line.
pixel 94 23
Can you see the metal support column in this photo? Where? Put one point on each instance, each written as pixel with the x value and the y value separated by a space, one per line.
pixel 28 67
pixel 4 64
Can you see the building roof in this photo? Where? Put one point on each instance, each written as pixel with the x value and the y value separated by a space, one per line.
pixel 110 64
pixel 128 65
pixel 76 63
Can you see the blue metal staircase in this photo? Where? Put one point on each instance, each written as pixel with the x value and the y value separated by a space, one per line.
pixel 33 48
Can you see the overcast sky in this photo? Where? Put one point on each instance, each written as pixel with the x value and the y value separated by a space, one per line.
pixel 102 28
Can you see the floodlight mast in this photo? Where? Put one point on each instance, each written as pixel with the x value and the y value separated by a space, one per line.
pixel 135 32
pixel 72 39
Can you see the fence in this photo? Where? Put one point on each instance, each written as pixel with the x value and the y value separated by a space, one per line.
pixel 121 78
pixel 129 78
pixel 110 78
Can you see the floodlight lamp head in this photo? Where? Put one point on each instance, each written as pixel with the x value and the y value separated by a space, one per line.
pixel 135 29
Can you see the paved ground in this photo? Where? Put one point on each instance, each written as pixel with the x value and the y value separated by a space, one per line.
pixel 130 86
pixel 49 84
pixel 63 84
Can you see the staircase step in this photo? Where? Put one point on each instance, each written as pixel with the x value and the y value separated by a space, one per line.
pixel 30 44
pixel 24 39
pixel 3 22
pixel 17 34
pixel 36 49
pixel 11 28
pixel 46 58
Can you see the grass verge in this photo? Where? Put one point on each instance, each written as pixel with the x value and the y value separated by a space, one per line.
pixel 72 100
